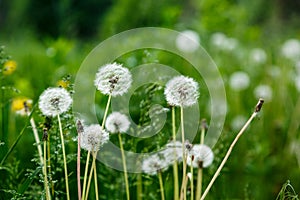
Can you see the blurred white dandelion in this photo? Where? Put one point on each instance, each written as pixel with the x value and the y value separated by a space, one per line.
pixel 153 164
pixel 297 82
pixel 93 137
pixel 222 42
pixel 181 91
pixel 172 152
pixel 239 81
pixel 55 101
pixel 258 56
pixel 113 79
pixel 200 155
pixel 291 49
pixel 117 123
pixel 263 91
pixel 188 41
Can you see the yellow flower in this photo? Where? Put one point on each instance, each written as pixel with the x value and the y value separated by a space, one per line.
pixel 18 105
pixel 63 83
pixel 9 67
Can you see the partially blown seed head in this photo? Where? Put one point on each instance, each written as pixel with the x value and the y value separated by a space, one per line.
pixel 200 155
pixel 117 123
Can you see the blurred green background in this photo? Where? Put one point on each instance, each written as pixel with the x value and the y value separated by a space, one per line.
pixel 49 39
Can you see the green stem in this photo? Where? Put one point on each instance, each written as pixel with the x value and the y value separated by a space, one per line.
pixel 49 166
pixel 183 185
pixel 64 157
pixel 95 179
pixel 227 155
pixel 139 189
pixel 175 165
pixel 106 110
pixel 90 176
pixel 124 167
pixel 192 182
pixel 37 140
pixel 200 169
pixel 85 175
pixel 45 173
pixel 161 185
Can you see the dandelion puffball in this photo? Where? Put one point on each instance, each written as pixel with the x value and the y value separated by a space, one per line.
pixel 117 123
pixel 181 91
pixel 291 49
pixel 263 91
pixel 113 79
pixel 54 101
pixel 202 156
pixel 154 163
pixel 239 81
pixel 93 137
pixel 188 41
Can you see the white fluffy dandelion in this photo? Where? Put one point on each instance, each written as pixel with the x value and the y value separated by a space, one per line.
pixel 55 101
pixel 239 81
pixel 263 91
pixel 200 155
pixel 93 137
pixel 181 91
pixel 154 163
pixel 220 41
pixel 291 49
pixel 188 41
pixel 117 123
pixel 172 152
pixel 258 56
pixel 113 79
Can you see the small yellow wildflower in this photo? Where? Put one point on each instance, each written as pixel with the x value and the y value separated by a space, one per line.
pixel 9 67
pixel 18 105
pixel 63 83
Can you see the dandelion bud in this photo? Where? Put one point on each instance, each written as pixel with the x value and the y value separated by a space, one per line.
pixel 181 91
pixel 113 79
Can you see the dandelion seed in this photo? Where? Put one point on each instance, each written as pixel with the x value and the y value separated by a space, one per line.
pixel 54 101
pixel 291 49
pixel 188 41
pixel 200 155
pixel 93 137
pixel 239 81
pixel 181 91
pixel 113 79
pixel 117 123
pixel 263 91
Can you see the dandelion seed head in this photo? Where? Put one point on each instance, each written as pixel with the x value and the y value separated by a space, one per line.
pixel 200 154
pixel 181 91
pixel 291 49
pixel 117 123
pixel 239 81
pixel 263 91
pixel 172 152
pixel 93 137
pixel 220 41
pixel 258 56
pixel 154 163
pixel 54 101
pixel 113 79
pixel 188 41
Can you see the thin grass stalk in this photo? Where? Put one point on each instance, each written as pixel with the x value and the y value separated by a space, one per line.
pixel 85 175
pixel 257 109
pixel 175 164
pixel 124 167
pixel 161 185
pixel 64 157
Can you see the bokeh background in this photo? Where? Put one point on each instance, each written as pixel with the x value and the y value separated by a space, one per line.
pixel 255 44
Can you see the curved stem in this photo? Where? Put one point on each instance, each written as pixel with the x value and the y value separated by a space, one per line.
pixel 64 157
pixel 85 174
pixel 161 186
pixel 106 110
pixel 124 167
pixel 227 155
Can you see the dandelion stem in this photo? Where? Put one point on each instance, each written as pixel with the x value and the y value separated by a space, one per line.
pixel 161 185
pixel 85 175
pixel 106 110
pixel 139 186
pixel 183 187
pixel 37 140
pixel 175 165
pixel 78 167
pixel 49 166
pixel 192 181
pixel 200 168
pixel 257 109
pixel 124 167
pixel 64 157
pixel 90 176
pixel 95 177
pixel 45 173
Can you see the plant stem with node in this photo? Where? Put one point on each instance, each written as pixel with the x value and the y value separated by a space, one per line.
pixel 175 165
pixel 256 111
